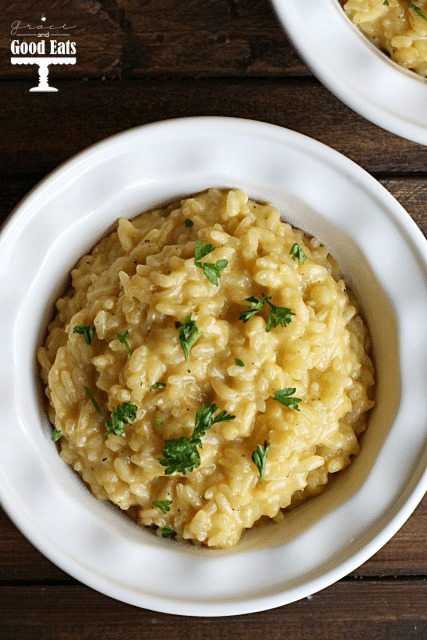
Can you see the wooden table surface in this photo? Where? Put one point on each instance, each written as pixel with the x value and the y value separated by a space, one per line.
pixel 147 60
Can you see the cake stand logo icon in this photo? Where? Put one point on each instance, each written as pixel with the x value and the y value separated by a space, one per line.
pixel 43 45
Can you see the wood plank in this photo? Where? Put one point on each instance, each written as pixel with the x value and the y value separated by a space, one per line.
pixel 100 39
pixel 411 192
pixel 404 555
pixel 215 38
pixel 19 560
pixel 368 610
pixel 133 38
pixel 412 195
pixel 300 104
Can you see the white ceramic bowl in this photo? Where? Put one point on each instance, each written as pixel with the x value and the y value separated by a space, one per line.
pixel 384 257
pixel 354 69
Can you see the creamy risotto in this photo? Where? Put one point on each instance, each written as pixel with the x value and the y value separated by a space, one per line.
pixel 398 27
pixel 207 367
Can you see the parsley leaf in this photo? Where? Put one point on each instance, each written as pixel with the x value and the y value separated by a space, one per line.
pixel 188 223
pixel 122 337
pixel 259 457
pixel 88 332
pixel 180 454
pixel 417 10
pixel 188 335
pixel 277 315
pixel 284 397
pixel 386 3
pixel 213 270
pixel 201 250
pixel 239 362
pixel 205 419
pixel 163 505
pixel 297 253
pixel 158 385
pixel 121 415
pixel 56 435
pixel 159 420
pixel 256 305
pixel 167 532
pixel 92 398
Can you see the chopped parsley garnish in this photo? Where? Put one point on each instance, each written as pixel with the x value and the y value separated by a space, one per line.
pixel 297 253
pixel 56 435
pixel 276 316
pixel 188 335
pixel 121 415
pixel 205 419
pixel 256 305
pixel 201 250
pixel 122 337
pixel 259 457
pixel 163 505
pixel 167 532
pixel 212 270
pixel 158 385
pixel 180 454
pixel 239 362
pixel 159 420
pixel 386 3
pixel 88 332
pixel 92 398
pixel 284 396
pixel 417 10
pixel 188 223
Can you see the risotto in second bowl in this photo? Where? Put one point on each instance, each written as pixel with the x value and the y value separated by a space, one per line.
pixel 397 27
pixel 207 367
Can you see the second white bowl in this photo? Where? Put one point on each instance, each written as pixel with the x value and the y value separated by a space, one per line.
pixel 354 70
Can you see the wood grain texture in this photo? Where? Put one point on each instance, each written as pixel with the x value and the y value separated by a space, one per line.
pixel 34 140
pixel 214 38
pixel 140 38
pixel 396 611
pixel 411 192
